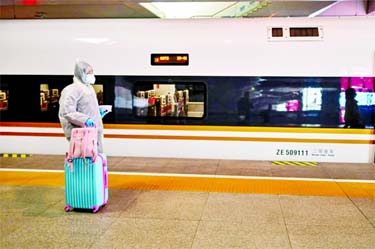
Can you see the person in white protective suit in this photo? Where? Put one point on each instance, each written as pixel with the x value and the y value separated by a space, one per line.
pixel 79 104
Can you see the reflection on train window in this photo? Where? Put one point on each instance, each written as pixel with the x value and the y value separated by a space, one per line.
pixel 169 100
pixel 312 99
pixel 365 97
pixel 297 101
pixel 99 93
pixel 4 97
pixel 280 102
pixel 49 98
pixel 199 100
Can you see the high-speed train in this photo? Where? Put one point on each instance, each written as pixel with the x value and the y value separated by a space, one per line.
pixel 249 89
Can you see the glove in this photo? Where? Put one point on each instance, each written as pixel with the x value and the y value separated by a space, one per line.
pixel 103 112
pixel 90 123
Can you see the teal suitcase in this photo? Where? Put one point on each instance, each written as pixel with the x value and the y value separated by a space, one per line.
pixel 86 183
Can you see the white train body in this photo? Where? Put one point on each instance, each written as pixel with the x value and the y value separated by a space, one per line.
pixel 345 47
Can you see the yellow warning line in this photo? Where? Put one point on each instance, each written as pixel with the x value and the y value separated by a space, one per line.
pixel 289 163
pixel 203 184
pixel 12 155
pixel 311 164
pixel 303 164
pixel 300 164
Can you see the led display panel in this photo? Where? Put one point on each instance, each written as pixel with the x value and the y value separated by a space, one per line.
pixel 169 59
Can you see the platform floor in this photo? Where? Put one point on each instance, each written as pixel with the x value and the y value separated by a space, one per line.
pixel 184 203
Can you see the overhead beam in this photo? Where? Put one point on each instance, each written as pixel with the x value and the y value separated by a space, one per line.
pixel 7 9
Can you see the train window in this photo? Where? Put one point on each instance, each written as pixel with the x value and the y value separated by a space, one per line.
pixel 4 97
pixel 49 98
pixel 198 100
pixel 182 100
pixel 99 93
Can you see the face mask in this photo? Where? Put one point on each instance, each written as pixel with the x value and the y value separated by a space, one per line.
pixel 90 79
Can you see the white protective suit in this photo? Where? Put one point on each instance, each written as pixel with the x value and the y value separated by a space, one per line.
pixel 78 102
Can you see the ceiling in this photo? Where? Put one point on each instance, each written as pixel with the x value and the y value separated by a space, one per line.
pixel 55 9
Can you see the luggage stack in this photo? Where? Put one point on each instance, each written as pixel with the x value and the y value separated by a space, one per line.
pixel 86 180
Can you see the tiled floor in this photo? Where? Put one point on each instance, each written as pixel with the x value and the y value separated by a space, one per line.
pixel 34 217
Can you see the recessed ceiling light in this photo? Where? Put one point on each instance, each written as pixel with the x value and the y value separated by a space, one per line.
pixel 186 9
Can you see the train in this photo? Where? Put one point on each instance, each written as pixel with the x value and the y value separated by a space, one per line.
pixel 237 89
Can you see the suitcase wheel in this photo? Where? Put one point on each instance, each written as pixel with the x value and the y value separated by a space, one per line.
pixel 95 209
pixel 68 208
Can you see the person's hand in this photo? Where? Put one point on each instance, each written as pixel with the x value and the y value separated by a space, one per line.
pixel 90 123
pixel 103 112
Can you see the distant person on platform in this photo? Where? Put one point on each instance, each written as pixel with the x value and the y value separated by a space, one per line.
pixel 352 116
pixel 79 104
pixel 244 106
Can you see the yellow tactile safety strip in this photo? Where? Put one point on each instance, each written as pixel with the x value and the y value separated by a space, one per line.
pixel 203 184
pixel 12 155
pixel 289 163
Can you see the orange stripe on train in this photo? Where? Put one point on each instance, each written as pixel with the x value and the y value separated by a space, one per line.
pixel 205 138
pixel 205 128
